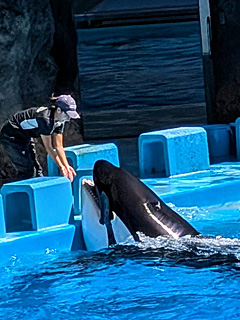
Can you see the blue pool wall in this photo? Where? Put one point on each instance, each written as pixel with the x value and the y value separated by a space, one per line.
pixel 44 214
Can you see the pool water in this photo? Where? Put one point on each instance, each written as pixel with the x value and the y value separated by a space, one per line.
pixel 190 278
pixel 141 66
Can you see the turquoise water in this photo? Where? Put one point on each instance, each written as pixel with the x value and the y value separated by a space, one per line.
pixel 193 278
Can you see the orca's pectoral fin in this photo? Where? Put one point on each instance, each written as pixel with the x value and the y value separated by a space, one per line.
pixel 104 208
pixel 111 237
pixel 106 215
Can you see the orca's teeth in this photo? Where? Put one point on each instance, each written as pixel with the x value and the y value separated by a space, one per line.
pixel 88 181
pixel 90 188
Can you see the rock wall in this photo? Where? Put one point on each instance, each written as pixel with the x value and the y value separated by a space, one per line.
pixel 27 69
pixel 38 57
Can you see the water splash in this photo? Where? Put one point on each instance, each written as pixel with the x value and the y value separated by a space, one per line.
pixel 198 252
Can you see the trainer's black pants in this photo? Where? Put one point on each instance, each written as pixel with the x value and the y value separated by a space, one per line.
pixel 23 157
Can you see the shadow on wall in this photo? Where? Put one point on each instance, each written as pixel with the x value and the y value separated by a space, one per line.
pixel 7 171
pixel 226 59
pixel 64 49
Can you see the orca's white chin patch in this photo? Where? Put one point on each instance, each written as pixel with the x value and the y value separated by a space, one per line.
pixel 94 233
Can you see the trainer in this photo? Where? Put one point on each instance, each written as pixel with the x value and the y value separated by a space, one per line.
pixel 18 133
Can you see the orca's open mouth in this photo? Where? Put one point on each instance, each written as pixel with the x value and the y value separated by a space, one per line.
pixel 88 187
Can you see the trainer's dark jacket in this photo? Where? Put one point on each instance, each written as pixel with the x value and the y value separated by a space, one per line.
pixel 31 123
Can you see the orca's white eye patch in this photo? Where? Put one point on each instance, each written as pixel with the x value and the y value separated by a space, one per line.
pixel 158 205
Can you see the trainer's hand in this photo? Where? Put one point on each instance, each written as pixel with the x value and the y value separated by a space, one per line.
pixel 68 172
pixel 71 170
pixel 64 171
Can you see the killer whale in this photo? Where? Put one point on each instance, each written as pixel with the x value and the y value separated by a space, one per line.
pixel 138 207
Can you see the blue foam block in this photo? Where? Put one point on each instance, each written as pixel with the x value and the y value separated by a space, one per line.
pixel 82 158
pixel 2 220
pixel 173 151
pixel 219 139
pixel 37 203
pixel 85 155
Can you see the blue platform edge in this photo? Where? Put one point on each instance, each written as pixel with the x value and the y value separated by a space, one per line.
pixel 55 239
pixel 214 187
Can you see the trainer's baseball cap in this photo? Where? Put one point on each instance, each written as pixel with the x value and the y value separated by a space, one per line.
pixel 67 104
